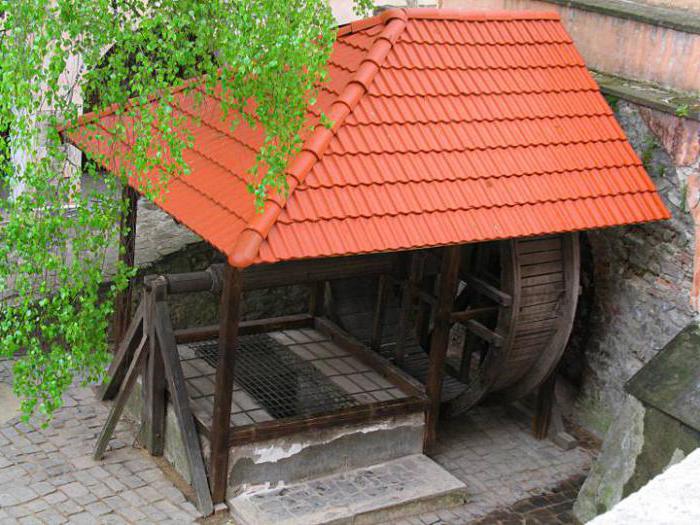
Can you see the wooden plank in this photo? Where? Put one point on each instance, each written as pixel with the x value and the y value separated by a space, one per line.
pixel 127 255
pixel 379 364
pixel 540 269
pixel 539 257
pixel 181 406
pixel 120 362
pixel 352 415
pixel 488 335
pixel 539 245
pixel 472 313
pixel 489 290
pixel 557 277
pixel 223 391
pixel 125 389
pixel 257 326
pixel 449 272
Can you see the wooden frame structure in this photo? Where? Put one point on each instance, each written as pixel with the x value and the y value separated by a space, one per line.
pixel 429 281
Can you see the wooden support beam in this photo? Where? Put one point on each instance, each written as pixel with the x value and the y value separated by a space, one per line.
pixel 223 393
pixel 472 313
pixel 127 255
pixel 181 406
pixel 349 416
pixel 407 304
pixel 479 330
pixel 317 298
pixel 489 290
pixel 154 390
pixel 126 386
pixel 256 326
pixel 449 272
pixel 379 317
pixel 287 273
pixel 122 359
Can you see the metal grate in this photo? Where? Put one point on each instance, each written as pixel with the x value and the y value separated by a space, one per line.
pixel 279 380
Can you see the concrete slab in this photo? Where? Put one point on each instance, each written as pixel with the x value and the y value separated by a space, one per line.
pixel 385 492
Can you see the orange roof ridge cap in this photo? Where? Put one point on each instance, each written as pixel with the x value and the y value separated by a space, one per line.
pixel 248 244
pixel 432 13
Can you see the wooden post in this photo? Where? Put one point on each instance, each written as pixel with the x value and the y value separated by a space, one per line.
pixel 379 313
pixel 154 391
pixel 317 298
pixel 228 344
pixel 127 254
pixel 438 343
pixel 407 304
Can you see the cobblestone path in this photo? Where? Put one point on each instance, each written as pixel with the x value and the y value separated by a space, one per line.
pixel 48 475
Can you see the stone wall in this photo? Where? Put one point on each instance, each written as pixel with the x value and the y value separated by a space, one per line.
pixel 637 284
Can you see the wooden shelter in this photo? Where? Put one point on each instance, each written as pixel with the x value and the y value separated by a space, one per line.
pixel 466 150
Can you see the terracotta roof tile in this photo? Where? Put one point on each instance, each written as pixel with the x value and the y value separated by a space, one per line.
pixel 449 127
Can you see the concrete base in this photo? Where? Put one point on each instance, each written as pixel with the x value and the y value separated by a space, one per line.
pixel 380 493
pixel 313 454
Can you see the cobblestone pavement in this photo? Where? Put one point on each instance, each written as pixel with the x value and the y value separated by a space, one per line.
pixel 551 508
pixel 492 450
pixel 48 475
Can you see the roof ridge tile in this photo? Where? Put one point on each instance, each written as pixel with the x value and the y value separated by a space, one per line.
pixel 247 247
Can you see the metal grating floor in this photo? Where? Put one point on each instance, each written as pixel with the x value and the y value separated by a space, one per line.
pixel 323 377
pixel 283 383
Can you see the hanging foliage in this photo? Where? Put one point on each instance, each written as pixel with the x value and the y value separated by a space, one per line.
pixel 262 60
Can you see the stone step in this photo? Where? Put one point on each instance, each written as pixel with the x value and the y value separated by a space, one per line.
pixel 380 493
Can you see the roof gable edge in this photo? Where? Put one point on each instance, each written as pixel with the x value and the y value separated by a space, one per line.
pixel 247 247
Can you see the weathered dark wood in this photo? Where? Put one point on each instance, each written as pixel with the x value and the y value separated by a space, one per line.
pixel 543 408
pixel 317 298
pixel 379 364
pixel 127 254
pixel 223 392
pixel 351 415
pixel 479 330
pixel 449 273
pixel 379 313
pixel 122 359
pixel 407 304
pixel 126 386
pixel 154 390
pixel 287 273
pixel 488 290
pixel 257 326
pixel 472 313
pixel 181 406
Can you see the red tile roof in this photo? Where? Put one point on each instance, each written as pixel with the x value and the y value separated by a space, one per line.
pixel 449 127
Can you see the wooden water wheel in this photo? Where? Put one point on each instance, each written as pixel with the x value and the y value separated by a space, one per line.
pixel 517 301
pixel 527 290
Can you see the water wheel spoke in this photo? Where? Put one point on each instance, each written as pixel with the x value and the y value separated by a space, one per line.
pixel 490 291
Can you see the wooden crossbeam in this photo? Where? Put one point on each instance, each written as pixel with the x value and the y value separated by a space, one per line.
pixel 472 313
pixel 479 330
pixel 489 290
